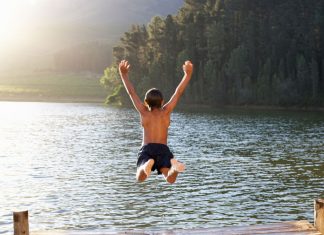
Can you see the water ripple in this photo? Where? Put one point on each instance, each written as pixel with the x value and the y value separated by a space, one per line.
pixel 73 167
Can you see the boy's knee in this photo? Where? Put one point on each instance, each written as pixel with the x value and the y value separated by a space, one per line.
pixel 171 181
pixel 140 178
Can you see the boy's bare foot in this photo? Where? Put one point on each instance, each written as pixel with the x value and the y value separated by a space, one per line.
pixel 177 166
pixel 147 167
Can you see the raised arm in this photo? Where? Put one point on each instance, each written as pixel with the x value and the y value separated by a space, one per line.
pixel 187 69
pixel 123 71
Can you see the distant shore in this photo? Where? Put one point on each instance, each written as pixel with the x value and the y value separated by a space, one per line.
pixel 206 108
pixel 51 87
pixel 53 99
pixel 183 107
pixel 189 107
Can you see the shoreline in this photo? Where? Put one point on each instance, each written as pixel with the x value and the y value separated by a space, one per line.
pixel 181 107
pixel 53 99
pixel 188 107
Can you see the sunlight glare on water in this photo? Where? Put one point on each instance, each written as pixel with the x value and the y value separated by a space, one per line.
pixel 73 167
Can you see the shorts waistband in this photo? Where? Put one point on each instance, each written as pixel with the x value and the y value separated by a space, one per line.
pixel 154 144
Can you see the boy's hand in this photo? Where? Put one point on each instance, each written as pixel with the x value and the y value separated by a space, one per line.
pixel 187 67
pixel 124 67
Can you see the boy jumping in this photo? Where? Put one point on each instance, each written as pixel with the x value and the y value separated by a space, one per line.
pixel 155 119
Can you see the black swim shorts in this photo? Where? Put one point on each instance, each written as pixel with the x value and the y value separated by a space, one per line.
pixel 159 152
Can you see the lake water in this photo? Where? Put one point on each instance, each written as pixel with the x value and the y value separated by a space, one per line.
pixel 73 167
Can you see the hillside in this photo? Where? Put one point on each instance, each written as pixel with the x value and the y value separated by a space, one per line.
pixel 57 50
pixel 34 31
pixel 245 52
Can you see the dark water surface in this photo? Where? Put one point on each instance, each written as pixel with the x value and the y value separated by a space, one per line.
pixel 73 167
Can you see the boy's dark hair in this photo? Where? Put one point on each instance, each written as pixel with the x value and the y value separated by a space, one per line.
pixel 153 98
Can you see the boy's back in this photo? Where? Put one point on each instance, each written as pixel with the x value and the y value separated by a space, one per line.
pixel 155 126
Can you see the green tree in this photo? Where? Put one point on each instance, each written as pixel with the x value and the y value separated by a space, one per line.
pixel 267 52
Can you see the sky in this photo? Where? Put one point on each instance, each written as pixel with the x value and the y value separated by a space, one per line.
pixel 41 27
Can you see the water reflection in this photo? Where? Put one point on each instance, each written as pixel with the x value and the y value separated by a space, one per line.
pixel 73 167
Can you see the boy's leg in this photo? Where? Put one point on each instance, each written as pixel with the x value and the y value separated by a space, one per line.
pixel 170 174
pixel 144 170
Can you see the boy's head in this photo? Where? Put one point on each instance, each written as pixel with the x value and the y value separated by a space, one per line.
pixel 153 98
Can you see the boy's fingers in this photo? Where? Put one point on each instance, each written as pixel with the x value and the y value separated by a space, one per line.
pixel 187 63
pixel 126 64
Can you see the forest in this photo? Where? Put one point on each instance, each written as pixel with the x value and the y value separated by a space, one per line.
pixel 245 52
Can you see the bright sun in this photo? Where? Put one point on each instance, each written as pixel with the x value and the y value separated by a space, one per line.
pixel 15 18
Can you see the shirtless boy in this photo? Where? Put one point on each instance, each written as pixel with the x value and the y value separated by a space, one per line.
pixel 155 119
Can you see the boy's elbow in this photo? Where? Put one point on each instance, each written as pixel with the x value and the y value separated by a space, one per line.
pixel 130 92
pixel 180 92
